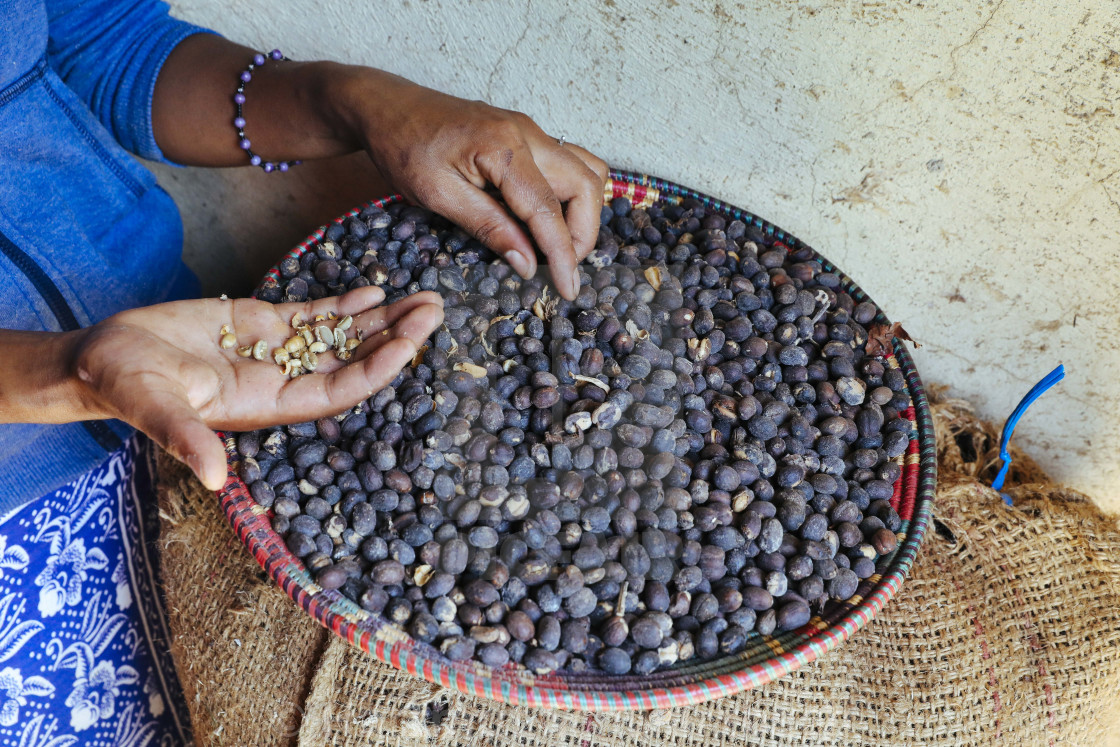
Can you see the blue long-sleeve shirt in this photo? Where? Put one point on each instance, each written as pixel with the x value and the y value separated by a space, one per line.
pixel 85 231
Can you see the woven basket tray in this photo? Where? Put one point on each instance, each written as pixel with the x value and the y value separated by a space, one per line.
pixel 765 658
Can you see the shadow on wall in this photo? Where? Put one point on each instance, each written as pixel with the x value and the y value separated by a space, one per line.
pixel 261 216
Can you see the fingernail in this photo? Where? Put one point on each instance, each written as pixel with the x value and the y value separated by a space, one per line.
pixel 194 461
pixel 575 282
pixel 520 264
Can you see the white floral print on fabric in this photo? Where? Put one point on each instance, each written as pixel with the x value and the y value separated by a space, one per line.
pixel 65 572
pixel 83 637
pixel 12 558
pixel 17 690
pixel 120 578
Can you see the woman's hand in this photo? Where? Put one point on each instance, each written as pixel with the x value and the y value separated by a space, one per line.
pixel 161 369
pixel 443 152
pixel 440 151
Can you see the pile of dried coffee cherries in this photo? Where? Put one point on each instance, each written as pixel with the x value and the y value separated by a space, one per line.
pixel 699 449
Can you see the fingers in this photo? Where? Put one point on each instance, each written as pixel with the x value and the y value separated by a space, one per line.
pixel 321 395
pixel 483 217
pixel 531 197
pixel 375 321
pixel 592 202
pixel 376 365
pixel 582 188
pixel 416 324
pixel 254 394
pixel 356 301
pixel 255 320
pixel 597 165
pixel 350 303
pixel 166 416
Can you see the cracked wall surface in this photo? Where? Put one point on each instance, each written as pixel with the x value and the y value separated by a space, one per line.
pixel 961 163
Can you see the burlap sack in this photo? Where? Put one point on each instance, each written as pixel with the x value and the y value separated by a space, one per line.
pixel 1006 632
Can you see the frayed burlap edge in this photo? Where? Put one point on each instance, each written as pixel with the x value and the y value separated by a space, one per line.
pixel 968 447
pixel 245 653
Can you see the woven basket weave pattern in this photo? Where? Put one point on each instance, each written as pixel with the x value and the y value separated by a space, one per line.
pixel 766 657
pixel 1006 632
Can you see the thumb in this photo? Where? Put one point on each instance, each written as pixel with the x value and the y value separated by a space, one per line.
pixel 172 423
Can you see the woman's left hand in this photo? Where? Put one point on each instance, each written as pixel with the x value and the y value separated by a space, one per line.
pixel 161 369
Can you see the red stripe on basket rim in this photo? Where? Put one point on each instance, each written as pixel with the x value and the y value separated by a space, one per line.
pixel 554 691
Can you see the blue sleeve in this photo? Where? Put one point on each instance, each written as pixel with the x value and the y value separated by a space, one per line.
pixel 110 53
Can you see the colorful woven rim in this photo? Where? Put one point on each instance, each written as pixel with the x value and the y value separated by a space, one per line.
pixel 766 657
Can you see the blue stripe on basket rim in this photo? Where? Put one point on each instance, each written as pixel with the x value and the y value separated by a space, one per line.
pixel 797 647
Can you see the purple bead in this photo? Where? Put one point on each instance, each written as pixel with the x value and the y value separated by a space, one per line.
pixel 283 165
pixel 239 98
pixel 258 59
pixel 268 166
pixel 255 160
pixel 246 76
pixel 245 145
pixel 239 123
pixel 276 54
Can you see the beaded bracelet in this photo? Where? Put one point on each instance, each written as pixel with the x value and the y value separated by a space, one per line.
pixel 239 120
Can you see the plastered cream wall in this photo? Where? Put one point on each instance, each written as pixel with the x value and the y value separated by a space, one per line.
pixel 960 160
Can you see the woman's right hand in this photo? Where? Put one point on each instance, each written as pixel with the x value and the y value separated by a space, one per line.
pixel 448 154
pixel 161 369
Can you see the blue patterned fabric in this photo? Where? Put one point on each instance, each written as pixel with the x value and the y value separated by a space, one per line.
pixel 85 230
pixel 83 634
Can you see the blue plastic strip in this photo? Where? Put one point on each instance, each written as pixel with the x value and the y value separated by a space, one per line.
pixel 1037 391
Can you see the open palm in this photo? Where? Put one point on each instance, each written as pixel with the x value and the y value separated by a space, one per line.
pixel 161 369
